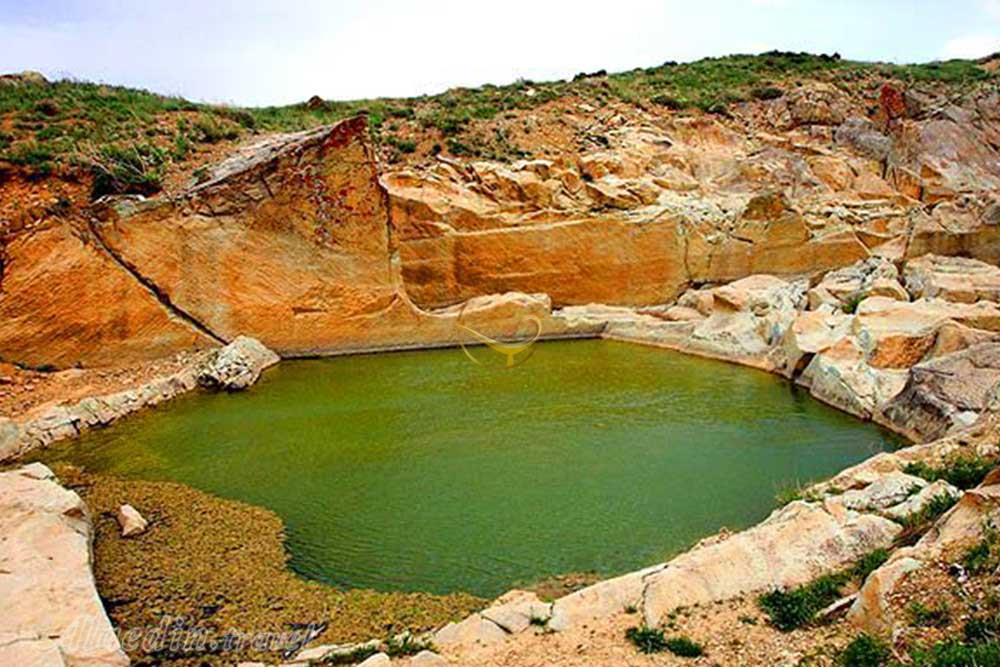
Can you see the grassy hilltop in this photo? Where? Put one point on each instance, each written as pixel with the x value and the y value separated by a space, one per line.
pixel 128 140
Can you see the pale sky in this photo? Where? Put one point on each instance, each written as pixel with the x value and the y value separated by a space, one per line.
pixel 254 52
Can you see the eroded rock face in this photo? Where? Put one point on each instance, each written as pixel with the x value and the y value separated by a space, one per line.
pixel 947 393
pixel 956 279
pixel 52 612
pixel 283 243
pixel 66 301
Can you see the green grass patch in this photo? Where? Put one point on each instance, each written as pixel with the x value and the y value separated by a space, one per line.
pixel 792 609
pixel 865 651
pixel 956 654
pixel 938 616
pixel 408 645
pixel 355 656
pixel 130 169
pixel 964 472
pixel 982 629
pixel 981 558
pixel 647 640
pixel 684 647
pixel 868 563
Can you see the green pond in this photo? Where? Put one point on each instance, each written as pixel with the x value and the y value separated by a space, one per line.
pixel 424 471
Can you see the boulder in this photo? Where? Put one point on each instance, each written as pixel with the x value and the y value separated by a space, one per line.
pixel 921 499
pixel 515 611
pixel 960 528
pixel 887 491
pixel 377 660
pixel 871 611
pixel 428 659
pixel 130 521
pixel 794 545
pixel 474 630
pixel 237 365
pixel 897 335
pixel 957 279
pixel 947 393
pixel 810 334
pixel 841 377
pixel 51 606
pixel 10 433
pixel 603 599
pixel 844 288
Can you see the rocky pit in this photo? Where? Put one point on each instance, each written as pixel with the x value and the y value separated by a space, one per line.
pixel 852 253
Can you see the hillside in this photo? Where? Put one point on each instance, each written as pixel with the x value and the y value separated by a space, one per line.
pixel 64 143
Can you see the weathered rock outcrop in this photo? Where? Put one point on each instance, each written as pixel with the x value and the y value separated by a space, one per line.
pixel 952 278
pixel 947 393
pixel 52 615
pixel 237 365
pixel 65 301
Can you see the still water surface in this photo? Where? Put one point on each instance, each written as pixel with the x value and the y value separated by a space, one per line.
pixel 425 471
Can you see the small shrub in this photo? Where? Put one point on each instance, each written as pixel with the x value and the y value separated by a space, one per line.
pixel 672 103
pixel 766 93
pixel 538 621
pixel 789 610
pixel 979 558
pixel 929 617
pixel 134 169
pixel 963 472
pixel 930 512
pixel 865 651
pixel 868 563
pixel 408 645
pixel 647 640
pixel 210 130
pixel 38 157
pixel 850 305
pixel 684 647
pixel 982 629
pixel 457 148
pixel 357 655
pixel 955 654
pixel 402 145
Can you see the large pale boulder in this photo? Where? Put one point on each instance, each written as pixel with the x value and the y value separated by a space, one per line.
pixel 516 610
pixel 887 491
pixel 475 630
pixel 811 333
pixel 947 393
pixel 841 377
pixel 871 610
pixel 957 279
pixel 791 547
pixel 899 335
pixel 961 527
pixel 50 603
pixel 237 365
pixel 918 501
pixel 603 599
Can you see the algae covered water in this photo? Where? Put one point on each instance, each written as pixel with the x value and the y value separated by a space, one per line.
pixel 424 471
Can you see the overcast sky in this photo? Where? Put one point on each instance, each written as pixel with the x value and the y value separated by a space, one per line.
pixel 253 52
